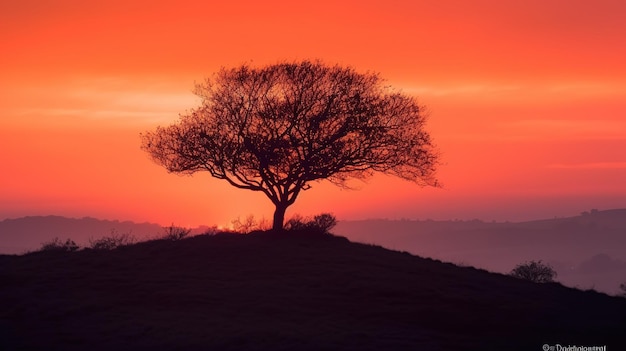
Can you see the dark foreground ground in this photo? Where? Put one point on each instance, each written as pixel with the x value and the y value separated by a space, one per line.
pixel 255 292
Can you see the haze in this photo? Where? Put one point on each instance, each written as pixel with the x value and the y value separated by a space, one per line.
pixel 527 103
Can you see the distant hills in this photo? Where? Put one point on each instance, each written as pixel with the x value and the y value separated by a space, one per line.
pixel 588 251
pixel 21 235
pixel 28 233
pixel 298 292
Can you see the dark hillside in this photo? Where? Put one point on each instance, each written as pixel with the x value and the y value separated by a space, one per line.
pixel 259 292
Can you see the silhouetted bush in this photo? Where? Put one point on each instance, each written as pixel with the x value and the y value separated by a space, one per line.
pixel 324 222
pixel 244 226
pixel 296 222
pixel 321 223
pixel 114 240
pixel 249 225
pixel 623 290
pixel 535 271
pixel 175 233
pixel 57 245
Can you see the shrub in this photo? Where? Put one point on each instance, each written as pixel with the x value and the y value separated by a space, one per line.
pixel 212 230
pixel 535 271
pixel 324 222
pixel 175 233
pixel 250 224
pixel 57 245
pixel 622 287
pixel 114 240
pixel 244 226
pixel 321 223
pixel 295 223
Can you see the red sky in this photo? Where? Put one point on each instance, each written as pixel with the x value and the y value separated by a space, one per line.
pixel 527 102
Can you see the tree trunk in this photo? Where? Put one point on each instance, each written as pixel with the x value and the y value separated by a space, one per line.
pixel 279 217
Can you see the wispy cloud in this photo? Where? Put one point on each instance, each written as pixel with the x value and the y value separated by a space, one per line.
pixel 465 89
pixel 550 90
pixel 88 113
pixel 116 99
pixel 569 128
pixel 590 165
pixel 586 88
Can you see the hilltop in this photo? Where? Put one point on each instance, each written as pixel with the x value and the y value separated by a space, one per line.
pixel 298 292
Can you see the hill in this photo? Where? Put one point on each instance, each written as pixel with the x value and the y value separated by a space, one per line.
pixel 299 292
pixel 574 246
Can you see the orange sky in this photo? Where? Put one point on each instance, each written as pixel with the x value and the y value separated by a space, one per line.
pixel 527 102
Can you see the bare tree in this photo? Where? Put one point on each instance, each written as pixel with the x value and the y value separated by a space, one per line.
pixel 276 129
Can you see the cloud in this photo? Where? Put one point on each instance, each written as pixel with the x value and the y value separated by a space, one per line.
pixel 102 98
pixel 465 89
pixel 538 90
pixel 605 129
pixel 590 165
pixel 43 114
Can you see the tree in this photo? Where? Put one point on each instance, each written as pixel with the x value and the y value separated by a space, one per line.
pixel 277 128
pixel 535 271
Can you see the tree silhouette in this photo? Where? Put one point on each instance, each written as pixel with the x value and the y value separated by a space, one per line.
pixel 277 128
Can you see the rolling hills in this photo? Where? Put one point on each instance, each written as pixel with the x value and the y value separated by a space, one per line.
pixel 289 292
pixel 587 250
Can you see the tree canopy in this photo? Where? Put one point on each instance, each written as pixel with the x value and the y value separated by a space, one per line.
pixel 277 128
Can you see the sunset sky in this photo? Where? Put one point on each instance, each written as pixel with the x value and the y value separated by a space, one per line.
pixel 526 101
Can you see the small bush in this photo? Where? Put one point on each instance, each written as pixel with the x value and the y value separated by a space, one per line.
pixel 295 223
pixel 244 226
pixel 249 224
pixel 175 233
pixel 324 222
pixel 321 223
pixel 534 271
pixel 57 245
pixel 263 224
pixel 113 241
